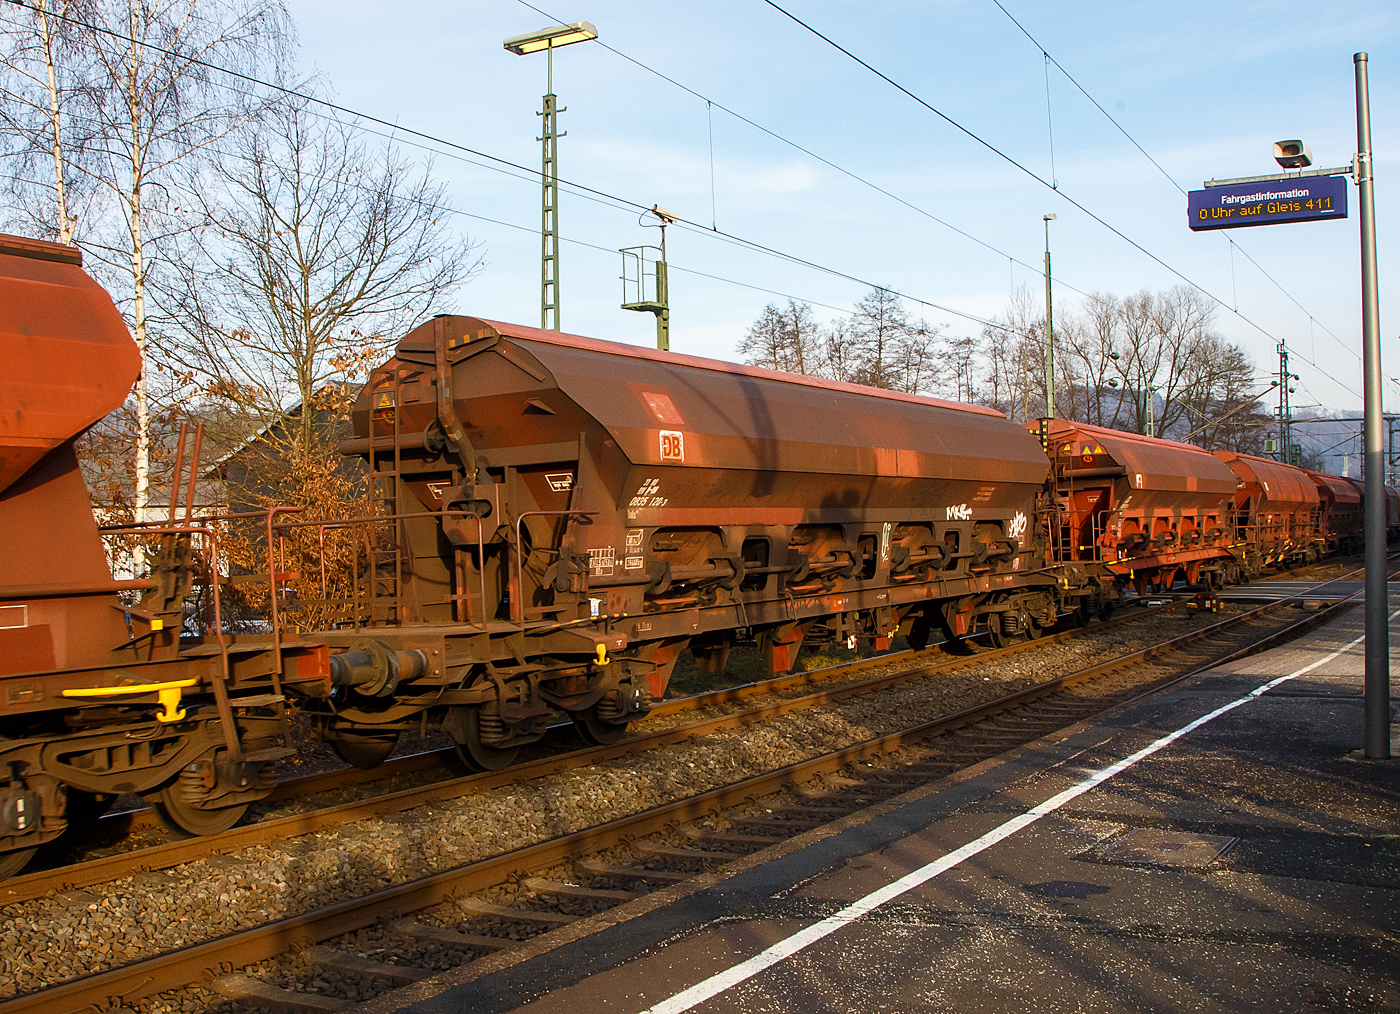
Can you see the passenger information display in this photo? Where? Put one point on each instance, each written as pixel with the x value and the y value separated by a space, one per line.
pixel 1303 199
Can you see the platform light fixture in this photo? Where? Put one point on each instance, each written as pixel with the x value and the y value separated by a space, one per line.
pixel 551 38
pixel 1292 154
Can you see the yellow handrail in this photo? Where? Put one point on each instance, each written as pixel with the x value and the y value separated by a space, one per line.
pixel 167 693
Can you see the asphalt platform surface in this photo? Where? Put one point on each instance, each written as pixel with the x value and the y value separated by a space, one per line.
pixel 1247 863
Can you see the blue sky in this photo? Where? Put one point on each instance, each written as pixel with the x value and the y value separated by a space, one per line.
pixel 1205 88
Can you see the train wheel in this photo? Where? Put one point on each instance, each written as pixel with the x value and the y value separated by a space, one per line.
pixel 12 862
pixel 594 730
pixel 364 749
pixel 994 630
pixel 176 813
pixel 1000 640
pixel 475 754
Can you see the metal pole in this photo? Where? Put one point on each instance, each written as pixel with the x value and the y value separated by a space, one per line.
pixel 1049 331
pixel 549 209
pixel 663 298
pixel 1377 722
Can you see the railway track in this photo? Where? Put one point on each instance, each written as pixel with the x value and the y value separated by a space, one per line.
pixel 485 909
pixel 922 664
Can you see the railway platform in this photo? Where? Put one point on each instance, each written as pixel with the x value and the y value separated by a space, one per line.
pixel 1214 847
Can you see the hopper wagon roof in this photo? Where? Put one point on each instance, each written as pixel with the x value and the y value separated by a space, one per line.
pixel 1161 464
pixel 1284 485
pixel 1343 490
pixel 743 417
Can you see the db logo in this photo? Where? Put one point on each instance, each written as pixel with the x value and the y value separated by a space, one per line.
pixel 672 445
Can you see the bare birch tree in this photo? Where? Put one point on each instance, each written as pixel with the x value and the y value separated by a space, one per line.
pixel 879 326
pixel 765 342
pixel 1015 358
pixel 42 78
pixel 962 357
pixel 317 252
pixel 840 358
pixel 784 338
pixel 156 101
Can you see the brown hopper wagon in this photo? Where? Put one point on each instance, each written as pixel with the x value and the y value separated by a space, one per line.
pixel 1146 509
pixel 572 513
pixel 1339 512
pixel 1275 511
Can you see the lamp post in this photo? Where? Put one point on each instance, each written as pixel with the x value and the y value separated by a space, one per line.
pixel 549 40
pixel 1049 328
pixel 1377 714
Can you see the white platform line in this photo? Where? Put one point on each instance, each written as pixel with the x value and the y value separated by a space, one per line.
pixel 730 977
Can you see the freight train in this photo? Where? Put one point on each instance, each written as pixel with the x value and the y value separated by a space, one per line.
pixel 552 521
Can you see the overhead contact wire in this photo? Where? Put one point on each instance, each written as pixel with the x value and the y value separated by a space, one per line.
pixel 1042 181
pixel 455 147
pixel 812 154
pixel 1168 176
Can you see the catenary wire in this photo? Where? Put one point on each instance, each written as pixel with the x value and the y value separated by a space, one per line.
pixel 1014 260
pixel 1041 180
pixel 455 150
pixel 812 154
pixel 1170 179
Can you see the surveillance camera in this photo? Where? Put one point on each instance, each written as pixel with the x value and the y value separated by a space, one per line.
pixel 666 216
pixel 1292 154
